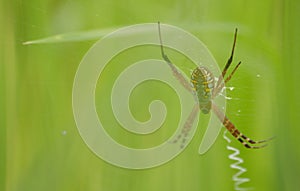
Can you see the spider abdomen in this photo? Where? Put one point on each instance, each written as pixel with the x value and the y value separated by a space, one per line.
pixel 203 83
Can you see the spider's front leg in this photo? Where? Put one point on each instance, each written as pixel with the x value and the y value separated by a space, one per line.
pixel 176 73
pixel 221 82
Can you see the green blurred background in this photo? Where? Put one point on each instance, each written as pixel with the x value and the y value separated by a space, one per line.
pixel 40 146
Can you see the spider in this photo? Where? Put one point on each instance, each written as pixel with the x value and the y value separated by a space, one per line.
pixel 205 89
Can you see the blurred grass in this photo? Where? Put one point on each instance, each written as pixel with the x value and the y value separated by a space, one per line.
pixel 36 91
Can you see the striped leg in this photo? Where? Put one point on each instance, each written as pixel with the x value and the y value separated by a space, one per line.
pixel 246 141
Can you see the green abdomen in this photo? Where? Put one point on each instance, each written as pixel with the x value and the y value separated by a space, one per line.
pixel 203 83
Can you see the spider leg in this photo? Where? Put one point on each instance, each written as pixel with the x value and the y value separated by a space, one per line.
pixel 218 89
pixel 229 61
pixel 185 83
pixel 187 126
pixel 247 142
pixel 220 84
pixel 233 71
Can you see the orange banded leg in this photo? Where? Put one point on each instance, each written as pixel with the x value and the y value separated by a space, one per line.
pixel 247 142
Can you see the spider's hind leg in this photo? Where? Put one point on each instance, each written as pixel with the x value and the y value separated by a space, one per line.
pixel 247 142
